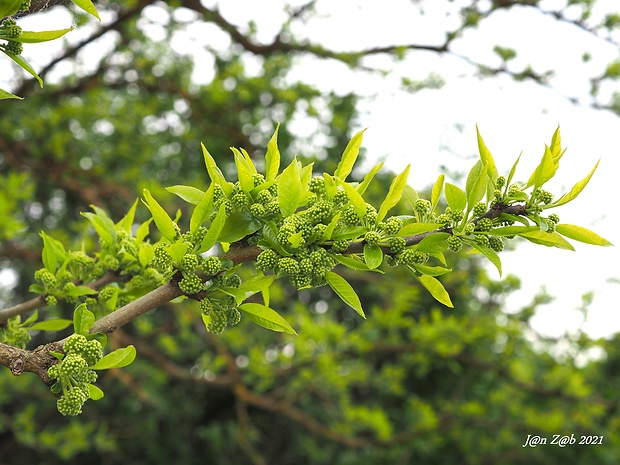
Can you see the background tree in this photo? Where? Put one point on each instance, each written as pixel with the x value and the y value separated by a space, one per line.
pixel 413 381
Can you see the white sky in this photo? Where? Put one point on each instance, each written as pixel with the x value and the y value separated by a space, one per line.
pixel 437 127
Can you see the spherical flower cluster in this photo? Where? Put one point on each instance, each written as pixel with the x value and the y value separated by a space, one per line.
pixel 46 278
pixel 267 260
pixel 14 47
pixel 454 243
pixel 211 266
pixel 264 197
pixel 496 243
pixel 469 228
pixel 340 245
pixel 349 216
pixel 13 334
pixel 372 237
pixel 317 185
pixel 341 197
pixel 455 215
pixel 484 224
pixel 258 179
pixel 412 257
pixel 288 266
pixel 392 225
pixel 191 284
pixel 422 206
pixel 479 209
pixel 51 301
pixel 554 218
pixel 258 210
pixel 482 239
pixel 189 262
pixel 206 307
pixel 514 189
pixel 396 244
pixel 500 182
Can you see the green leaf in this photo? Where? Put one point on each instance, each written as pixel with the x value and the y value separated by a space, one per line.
pixel 330 186
pixel 143 230
pixel 9 7
pixel 29 37
pixel 351 261
pixel 512 230
pixel 412 229
pixel 127 221
pixel 36 288
pixel 371 174
pixel 432 270
pixel 435 242
pixel 56 324
pixel 244 172
pixel 575 191
pixel 162 220
pixel 344 290
pixel 477 184
pixel 356 199
pixel 78 291
pixel 348 232
pixel 83 319
pixel 4 95
pixel 329 231
pixel 549 239
pixel 24 64
pixel 394 194
pixel 295 239
pixel 272 157
pixel 305 174
pixel 490 254
pixel 188 193
pixel 202 210
pixel 349 156
pixel 270 235
pixel 544 171
pixel 436 192
pixel 436 289
pixel 486 157
pixel 581 234
pixel 31 319
pixel 215 230
pixel 259 283
pixel 513 170
pixel 102 223
pixel 556 145
pixel 373 256
pixel 289 189
pixel 266 317
pixel 237 226
pixel 88 7
pixel 411 195
pixel 49 253
pixel 214 172
pixel 118 359
pixel 455 197
pixel 177 251
pixel 94 392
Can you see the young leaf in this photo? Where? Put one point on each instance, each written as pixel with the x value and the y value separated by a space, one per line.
pixel 435 242
pixel 351 261
pixel 29 37
pixel 436 289
pixel 394 194
pixel 411 195
pixel 162 220
pixel 272 157
pixel 255 284
pixel 214 231
pixel 581 234
pixel 56 324
pixel 486 157
pixel 9 7
pixel 490 254
pixel 329 231
pixel 412 229
pixel 88 7
pixel 436 192
pixel 432 270
pixel 349 156
pixel 214 172
pixel 188 193
pixel 289 189
pixel 544 171
pixel 143 230
pixel 477 183
pixel 243 171
pixel 49 254
pixel 575 191
pixel 455 197
pixel 83 319
pixel 549 239
pixel 373 256
pixel 330 186
pixel 78 291
pixel 4 94
pixel 371 174
pixel 177 251
pixel 94 392
pixel 24 64
pixel 356 199
pixel 344 290
pixel 31 319
pixel 202 210
pixel 118 359
pixel 105 229
pixel 127 221
pixel 237 226
pixel 266 317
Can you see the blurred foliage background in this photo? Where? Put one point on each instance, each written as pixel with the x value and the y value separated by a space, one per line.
pixel 414 383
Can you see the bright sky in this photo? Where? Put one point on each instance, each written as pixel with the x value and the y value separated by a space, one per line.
pixel 437 127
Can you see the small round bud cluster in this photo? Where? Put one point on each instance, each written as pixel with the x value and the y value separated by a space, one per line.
pixel 233 316
pixel 190 284
pixel 340 245
pixel 306 266
pixel 372 237
pixel 485 224
pixel 341 197
pixel 500 182
pixel 550 226
pixel 266 260
pixel 469 228
pixel 496 243
pixel 318 230
pixel 189 262
pixel 392 225
pixel 51 300
pixel 454 243
pixel 422 206
pixel 13 334
pixel 218 321
pixel 321 211
pixel 264 197
pixel 554 218
pixel 14 47
pixel 288 265
pixel 206 307
pixel 371 214
pixel 161 260
pixel 497 194
pixel 258 210
pixel 396 244
pixel 272 208
pixel 71 403
pixel 211 266
pixel 258 179
pixel 411 257
pixel 455 215
pixel 514 189
pixel 233 281
pixel 25 6
pixel 443 219
pixel 482 239
pixel 479 209
pixel 317 185
pixel 349 216
pixel 46 278
pixel 545 197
